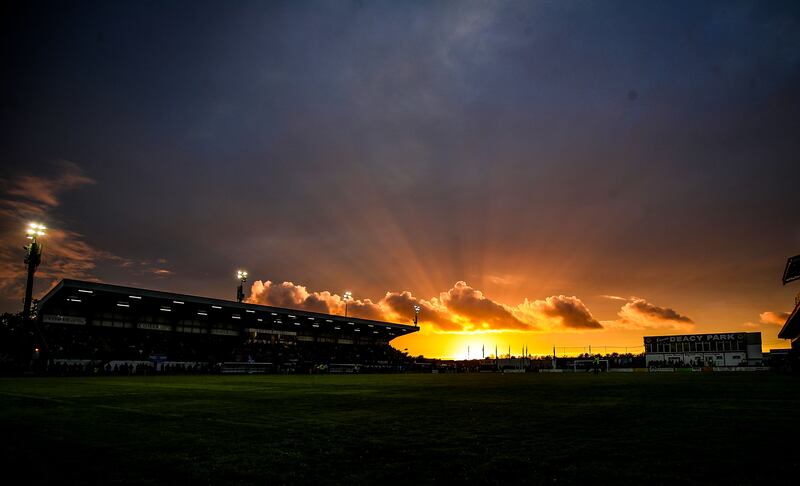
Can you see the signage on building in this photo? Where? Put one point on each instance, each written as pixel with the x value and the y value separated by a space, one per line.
pixel 224 332
pixel 271 331
pixel 63 319
pixel 150 326
pixel 695 338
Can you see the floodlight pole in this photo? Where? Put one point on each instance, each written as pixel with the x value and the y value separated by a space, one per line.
pixel 242 276
pixel 416 315
pixel 33 257
pixel 347 297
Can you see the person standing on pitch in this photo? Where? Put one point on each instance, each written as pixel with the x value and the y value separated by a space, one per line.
pixel 596 365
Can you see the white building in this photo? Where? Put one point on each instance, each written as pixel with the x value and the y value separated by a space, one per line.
pixel 721 349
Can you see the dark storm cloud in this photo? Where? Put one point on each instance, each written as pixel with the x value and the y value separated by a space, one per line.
pixel 28 198
pixel 582 146
pixel 44 191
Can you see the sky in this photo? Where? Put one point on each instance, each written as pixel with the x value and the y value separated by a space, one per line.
pixel 540 174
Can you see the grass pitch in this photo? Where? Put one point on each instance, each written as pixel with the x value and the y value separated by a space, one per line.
pixel 731 428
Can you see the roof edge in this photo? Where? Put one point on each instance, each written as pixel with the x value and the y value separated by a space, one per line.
pixel 792 324
pixel 70 283
pixel 50 293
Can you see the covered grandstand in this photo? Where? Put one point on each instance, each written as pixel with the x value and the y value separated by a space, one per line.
pixel 109 326
pixel 791 330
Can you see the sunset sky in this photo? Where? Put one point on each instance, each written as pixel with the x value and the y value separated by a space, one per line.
pixel 555 173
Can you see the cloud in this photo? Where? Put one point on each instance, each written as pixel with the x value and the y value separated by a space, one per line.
pixel 562 311
pixel 66 253
pixel 365 309
pixel 640 314
pixel 614 297
pixel 460 309
pixel 401 306
pixel 465 309
pixel 476 310
pixel 774 318
pixel 44 191
pixel 28 197
pixel 394 306
pixel 503 279
pixel 292 296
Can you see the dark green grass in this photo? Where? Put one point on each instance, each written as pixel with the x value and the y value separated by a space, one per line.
pixel 723 428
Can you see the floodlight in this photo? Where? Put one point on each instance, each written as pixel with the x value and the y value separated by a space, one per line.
pixel 792 271
pixel 33 257
pixel 347 297
pixel 242 276
pixel 34 230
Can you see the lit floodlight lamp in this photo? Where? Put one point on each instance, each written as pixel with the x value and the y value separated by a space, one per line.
pixel 242 276
pixel 34 230
pixel 348 296
pixel 792 271
pixel 417 308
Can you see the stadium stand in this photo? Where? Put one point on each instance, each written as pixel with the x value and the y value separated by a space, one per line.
pixel 87 327
pixel 791 330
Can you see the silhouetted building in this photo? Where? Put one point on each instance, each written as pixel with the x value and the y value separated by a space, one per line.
pixel 109 323
pixel 791 330
pixel 719 349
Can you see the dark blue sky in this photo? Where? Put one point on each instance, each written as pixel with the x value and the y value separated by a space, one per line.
pixel 529 148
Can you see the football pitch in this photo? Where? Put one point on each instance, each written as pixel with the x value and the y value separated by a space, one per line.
pixel 635 428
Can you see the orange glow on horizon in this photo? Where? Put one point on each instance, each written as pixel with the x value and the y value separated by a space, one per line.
pixel 482 344
pixel 464 317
